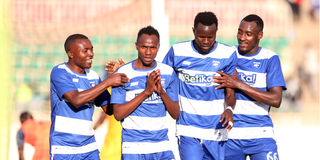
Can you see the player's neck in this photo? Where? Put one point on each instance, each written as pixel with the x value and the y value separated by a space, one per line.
pixel 138 64
pixel 75 68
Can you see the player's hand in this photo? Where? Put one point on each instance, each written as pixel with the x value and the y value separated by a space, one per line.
pixel 158 86
pixel 151 81
pixel 117 79
pixel 227 119
pixel 226 80
pixel 113 66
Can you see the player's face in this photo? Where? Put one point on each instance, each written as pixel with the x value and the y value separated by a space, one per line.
pixel 248 37
pixel 205 37
pixel 147 46
pixel 81 54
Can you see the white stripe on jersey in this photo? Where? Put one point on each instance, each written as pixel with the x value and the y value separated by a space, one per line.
pixel 145 147
pixel 73 126
pixel 144 123
pixel 206 134
pixel 251 133
pixel 260 78
pixel 214 107
pixel 184 49
pixel 267 54
pixel 251 108
pixel 73 150
pixel 89 73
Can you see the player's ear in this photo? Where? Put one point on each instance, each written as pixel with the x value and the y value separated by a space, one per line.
pixel 70 54
pixel 137 45
pixel 260 35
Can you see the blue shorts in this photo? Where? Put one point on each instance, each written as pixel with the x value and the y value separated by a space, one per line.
pixel 256 149
pixel 197 149
pixel 94 155
pixel 166 155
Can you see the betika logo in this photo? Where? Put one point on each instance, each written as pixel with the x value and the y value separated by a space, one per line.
pixel 249 79
pixel 198 79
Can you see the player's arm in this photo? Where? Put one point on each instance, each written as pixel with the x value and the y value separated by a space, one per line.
pixel 20 143
pixel 123 110
pixel 171 106
pixel 227 115
pixel 78 99
pixel 271 97
pixel 20 150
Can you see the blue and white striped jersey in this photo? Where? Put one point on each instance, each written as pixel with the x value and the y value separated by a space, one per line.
pixel 145 129
pixel 261 71
pixel 201 105
pixel 72 129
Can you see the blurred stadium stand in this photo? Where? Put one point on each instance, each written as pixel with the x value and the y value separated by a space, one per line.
pixel 40 28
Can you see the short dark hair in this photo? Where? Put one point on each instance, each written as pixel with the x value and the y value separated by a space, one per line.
pixel 254 18
pixel 205 18
pixel 149 30
pixel 72 38
pixel 25 116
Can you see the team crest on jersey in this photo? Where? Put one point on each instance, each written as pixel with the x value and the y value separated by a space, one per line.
pixel 75 80
pixel 163 82
pixel 256 64
pixel 92 84
pixel 186 63
pixel 215 64
pixel 134 84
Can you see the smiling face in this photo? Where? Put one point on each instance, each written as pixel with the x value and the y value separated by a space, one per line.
pixel 205 37
pixel 80 55
pixel 147 46
pixel 248 37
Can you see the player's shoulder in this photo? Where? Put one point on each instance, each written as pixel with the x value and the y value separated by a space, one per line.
pixel 265 53
pixel 222 50
pixel 125 68
pixel 91 74
pixel 59 69
pixel 163 66
pixel 183 44
pixel 225 47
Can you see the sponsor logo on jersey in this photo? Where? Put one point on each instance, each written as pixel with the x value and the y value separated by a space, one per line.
pixel 198 79
pixel 249 79
pixel 153 97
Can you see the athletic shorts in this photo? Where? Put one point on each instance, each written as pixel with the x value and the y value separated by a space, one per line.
pixel 197 149
pixel 256 149
pixel 94 155
pixel 166 155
